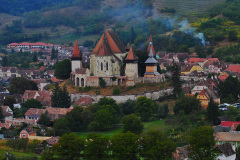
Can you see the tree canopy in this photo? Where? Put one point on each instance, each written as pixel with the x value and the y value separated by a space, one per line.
pixel 132 124
pixel 144 108
pixel 63 69
pixel 201 143
pixel 20 84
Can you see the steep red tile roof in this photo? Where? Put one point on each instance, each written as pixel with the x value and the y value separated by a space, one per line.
pixel 104 49
pixel 76 51
pixel 114 43
pixel 5 113
pixel 202 92
pixel 228 123
pixel 151 46
pixel 222 77
pixel 42 68
pixel 233 68
pixel 131 55
pixel 150 38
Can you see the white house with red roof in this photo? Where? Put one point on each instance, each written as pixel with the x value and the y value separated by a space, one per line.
pixel 27 45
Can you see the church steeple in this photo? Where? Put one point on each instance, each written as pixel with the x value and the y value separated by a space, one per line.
pixel 76 52
pixel 131 57
pixel 151 65
pixel 76 59
pixel 150 46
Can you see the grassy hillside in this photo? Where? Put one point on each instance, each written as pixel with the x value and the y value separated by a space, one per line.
pixel 189 8
pixel 63 23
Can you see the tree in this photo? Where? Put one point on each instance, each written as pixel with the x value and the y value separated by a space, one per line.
pixel 102 82
pixel 61 126
pixel 96 147
pixel 232 112
pixel 9 101
pixel 156 145
pixel 69 146
pixel 63 69
pixel 5 61
pixel 128 107
pixel 1 114
pixel 44 120
pixel 189 104
pixel 212 111
pixel 144 108
pixel 103 119
pixel 35 58
pixel 31 103
pixel 201 143
pixel 125 146
pixel 132 124
pixel 232 35
pixel 162 111
pixel 20 84
pixel 230 86
pixel 76 118
pixel 177 86
pixel 60 97
pixel 238 153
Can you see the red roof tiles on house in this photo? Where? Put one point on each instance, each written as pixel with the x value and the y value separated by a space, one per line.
pixel 228 123
pixel 222 77
pixel 233 68
pixel 84 101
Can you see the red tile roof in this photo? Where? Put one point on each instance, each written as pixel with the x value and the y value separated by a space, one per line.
pixel 150 38
pixel 131 55
pixel 35 111
pixel 228 123
pixel 233 68
pixel 76 51
pixel 5 113
pixel 55 113
pixel 222 77
pixel 84 101
pixel 42 68
pixel 54 79
pixel 81 71
pixel 114 43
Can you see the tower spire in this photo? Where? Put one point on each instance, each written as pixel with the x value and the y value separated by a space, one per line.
pixel 76 52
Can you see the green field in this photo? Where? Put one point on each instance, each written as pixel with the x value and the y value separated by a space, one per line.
pixel 18 154
pixel 158 124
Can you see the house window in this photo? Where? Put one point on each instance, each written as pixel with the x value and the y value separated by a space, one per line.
pixel 101 66
pixel 107 66
pixel 24 136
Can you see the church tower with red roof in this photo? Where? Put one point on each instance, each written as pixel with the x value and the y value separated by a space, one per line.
pixel 76 58
pixel 131 70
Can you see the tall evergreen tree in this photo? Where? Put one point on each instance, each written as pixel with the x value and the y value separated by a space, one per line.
pixel 35 59
pixel 54 97
pixel 60 97
pixel 212 111
pixel 66 98
pixel 177 86
pixel 53 54
pixel 1 114
pixel 5 61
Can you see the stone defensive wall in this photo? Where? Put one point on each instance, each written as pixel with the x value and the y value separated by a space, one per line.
pixel 123 98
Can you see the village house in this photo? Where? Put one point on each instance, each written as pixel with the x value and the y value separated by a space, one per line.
pixel 43 96
pixel 205 95
pixel 7 113
pixel 52 113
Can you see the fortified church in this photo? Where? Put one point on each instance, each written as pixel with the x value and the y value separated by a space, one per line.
pixel 106 62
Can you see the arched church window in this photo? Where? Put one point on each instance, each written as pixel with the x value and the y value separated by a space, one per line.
pixel 101 66
pixel 107 66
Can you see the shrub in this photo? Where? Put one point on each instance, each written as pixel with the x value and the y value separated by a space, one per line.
pixel 102 82
pixel 116 91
